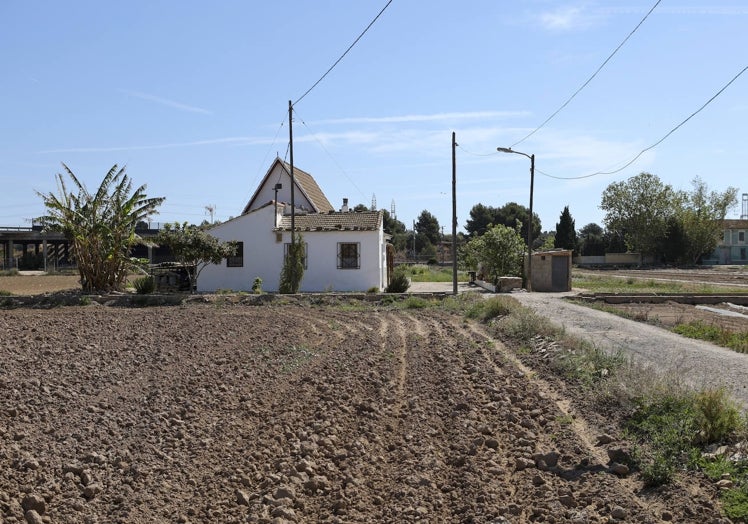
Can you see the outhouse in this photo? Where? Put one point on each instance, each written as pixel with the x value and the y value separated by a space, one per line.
pixel 551 270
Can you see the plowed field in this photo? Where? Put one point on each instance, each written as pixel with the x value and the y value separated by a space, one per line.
pixel 295 413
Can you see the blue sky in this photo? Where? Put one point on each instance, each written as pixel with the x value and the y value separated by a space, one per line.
pixel 192 97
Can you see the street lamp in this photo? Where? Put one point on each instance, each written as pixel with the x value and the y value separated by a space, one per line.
pixel 529 222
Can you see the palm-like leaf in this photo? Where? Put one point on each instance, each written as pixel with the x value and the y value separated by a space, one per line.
pixel 100 227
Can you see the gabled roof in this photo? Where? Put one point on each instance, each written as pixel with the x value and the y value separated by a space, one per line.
pixel 734 223
pixel 303 181
pixel 336 221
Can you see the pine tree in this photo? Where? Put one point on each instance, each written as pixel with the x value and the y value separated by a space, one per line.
pixel 566 234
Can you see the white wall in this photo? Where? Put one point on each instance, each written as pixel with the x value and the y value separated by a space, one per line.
pixel 267 193
pixel 263 257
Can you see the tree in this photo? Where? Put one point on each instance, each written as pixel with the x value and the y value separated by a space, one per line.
pixel 481 217
pixel 566 235
pixel 591 240
pixel 194 247
pixel 293 266
pixel 639 209
pixel 498 252
pixel 100 226
pixel 428 231
pixel 701 214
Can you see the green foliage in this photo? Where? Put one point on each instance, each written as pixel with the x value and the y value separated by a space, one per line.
pixel 667 425
pixel 493 307
pixel 735 503
pixel 588 364
pixel 717 415
pixel 498 252
pixel 566 235
pixel 293 266
pixel 9 272
pixel 700 215
pixel 591 240
pixel 416 303
pixel 100 226
pixel 427 229
pixel 257 286
pixel 194 247
pixel 483 217
pixel 639 208
pixel 737 341
pixel 144 285
pixel 5 293
pixel 399 282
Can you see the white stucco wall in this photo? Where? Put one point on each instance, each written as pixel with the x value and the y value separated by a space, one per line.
pixel 267 193
pixel 263 257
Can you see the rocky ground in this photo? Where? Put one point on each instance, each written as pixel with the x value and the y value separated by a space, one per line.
pixel 299 413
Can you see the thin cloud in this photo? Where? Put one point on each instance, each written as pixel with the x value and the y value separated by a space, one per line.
pixel 166 102
pixel 228 140
pixel 567 18
pixel 438 117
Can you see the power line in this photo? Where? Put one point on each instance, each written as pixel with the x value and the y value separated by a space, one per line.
pixel 661 140
pixel 345 53
pixel 589 79
pixel 329 154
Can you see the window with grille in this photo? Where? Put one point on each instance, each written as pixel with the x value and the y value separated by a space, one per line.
pixel 349 256
pixel 238 259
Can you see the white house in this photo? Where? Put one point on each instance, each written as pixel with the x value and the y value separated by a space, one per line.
pixel 344 250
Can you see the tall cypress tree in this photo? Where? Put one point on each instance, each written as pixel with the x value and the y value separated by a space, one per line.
pixel 566 234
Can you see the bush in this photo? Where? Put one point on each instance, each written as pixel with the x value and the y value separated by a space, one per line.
pixel 399 282
pixel 144 285
pixel 257 286
pixel 717 415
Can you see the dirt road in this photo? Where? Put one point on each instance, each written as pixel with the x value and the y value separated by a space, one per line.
pixel 300 413
pixel 698 363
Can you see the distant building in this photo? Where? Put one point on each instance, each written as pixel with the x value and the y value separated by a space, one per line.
pixel 733 246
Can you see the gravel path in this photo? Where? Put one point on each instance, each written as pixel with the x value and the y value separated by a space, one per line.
pixel 699 363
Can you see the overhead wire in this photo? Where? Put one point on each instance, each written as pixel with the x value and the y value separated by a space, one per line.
pixel 345 53
pixel 658 142
pixel 589 79
pixel 316 138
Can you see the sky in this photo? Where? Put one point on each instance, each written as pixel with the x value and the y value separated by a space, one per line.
pixel 192 97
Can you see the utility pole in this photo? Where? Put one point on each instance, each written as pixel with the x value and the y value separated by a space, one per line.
pixel 290 150
pixel 454 214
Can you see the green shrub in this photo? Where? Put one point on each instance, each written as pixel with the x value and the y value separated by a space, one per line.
pixel 257 286
pixel 4 293
pixel 491 308
pixel 415 303
pixel 373 289
pixel 717 415
pixel 399 283
pixel 144 285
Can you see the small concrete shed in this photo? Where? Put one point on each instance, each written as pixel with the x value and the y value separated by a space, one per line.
pixel 551 270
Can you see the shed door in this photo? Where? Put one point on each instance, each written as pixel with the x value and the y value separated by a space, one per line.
pixel 560 274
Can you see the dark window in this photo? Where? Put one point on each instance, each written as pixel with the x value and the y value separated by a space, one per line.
pixel 742 253
pixel 238 259
pixel 348 255
pixel 286 248
pixel 741 236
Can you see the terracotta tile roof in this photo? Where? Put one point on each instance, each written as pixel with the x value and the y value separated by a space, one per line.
pixel 351 221
pixel 310 188
pixel 732 223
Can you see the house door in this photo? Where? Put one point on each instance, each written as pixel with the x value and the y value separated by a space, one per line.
pixel 559 274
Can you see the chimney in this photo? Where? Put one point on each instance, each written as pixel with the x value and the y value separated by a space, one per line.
pixel 344 209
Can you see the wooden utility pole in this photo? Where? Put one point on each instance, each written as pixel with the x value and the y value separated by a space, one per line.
pixel 454 214
pixel 293 185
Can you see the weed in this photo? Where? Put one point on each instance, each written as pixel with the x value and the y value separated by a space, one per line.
pixel 735 503
pixel 85 301
pixel 4 293
pixel 144 285
pixel 399 283
pixel 737 341
pixel 492 308
pixel 257 286
pixel 717 415
pixel 416 303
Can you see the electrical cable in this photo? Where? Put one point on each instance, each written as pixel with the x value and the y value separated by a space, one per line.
pixel 345 53
pixel 330 155
pixel 627 164
pixel 589 79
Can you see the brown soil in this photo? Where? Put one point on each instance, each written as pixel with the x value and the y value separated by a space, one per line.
pixel 297 413
pixel 35 284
